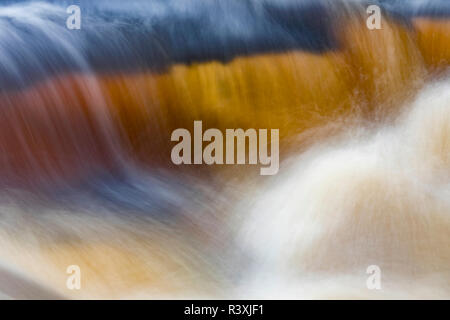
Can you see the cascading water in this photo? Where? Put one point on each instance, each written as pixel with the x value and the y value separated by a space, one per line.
pixel 86 177
pixel 369 197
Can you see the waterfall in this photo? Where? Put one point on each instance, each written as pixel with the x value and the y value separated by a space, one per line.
pixel 86 176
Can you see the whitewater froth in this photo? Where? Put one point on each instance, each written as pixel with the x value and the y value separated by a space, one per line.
pixel 373 198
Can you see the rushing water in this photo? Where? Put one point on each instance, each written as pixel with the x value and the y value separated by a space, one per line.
pixel 85 172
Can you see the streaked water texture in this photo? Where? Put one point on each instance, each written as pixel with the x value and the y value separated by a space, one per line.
pixel 85 171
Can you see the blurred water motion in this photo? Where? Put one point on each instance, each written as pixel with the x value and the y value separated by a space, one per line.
pixel 86 177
